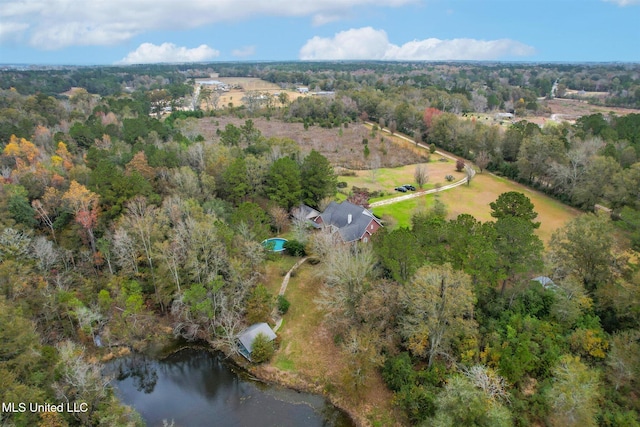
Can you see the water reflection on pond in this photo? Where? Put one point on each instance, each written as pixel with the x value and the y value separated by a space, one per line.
pixel 194 387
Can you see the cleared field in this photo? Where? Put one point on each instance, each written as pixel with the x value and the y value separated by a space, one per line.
pixel 342 146
pixel 486 188
pixel 386 179
pixel 475 198
pixel 248 84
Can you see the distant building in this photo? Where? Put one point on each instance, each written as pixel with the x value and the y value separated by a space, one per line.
pixel 215 85
pixel 545 281
pixel 352 222
pixel 302 89
pixel 324 93
pixel 500 116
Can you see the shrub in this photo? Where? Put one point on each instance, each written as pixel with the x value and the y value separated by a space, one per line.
pixel 294 248
pixel 398 371
pixel 283 304
pixel 432 148
pixel 342 184
pixel 459 165
pixel 263 349
pixel 449 178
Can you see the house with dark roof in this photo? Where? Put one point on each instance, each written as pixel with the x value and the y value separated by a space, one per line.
pixel 352 222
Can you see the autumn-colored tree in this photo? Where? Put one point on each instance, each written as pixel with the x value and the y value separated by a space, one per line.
pixel 140 164
pixel 84 205
pixel 22 151
pixel 429 114
pixel 63 153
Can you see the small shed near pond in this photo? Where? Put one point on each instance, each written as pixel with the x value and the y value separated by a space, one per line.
pixel 247 337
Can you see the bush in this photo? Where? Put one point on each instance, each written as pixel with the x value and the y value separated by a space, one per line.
pixel 294 248
pixel 449 178
pixel 398 371
pixel 342 184
pixel 432 148
pixel 283 304
pixel 419 402
pixel 263 349
pixel 459 165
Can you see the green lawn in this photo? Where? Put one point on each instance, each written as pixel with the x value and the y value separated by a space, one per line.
pixel 402 212
pixel 474 200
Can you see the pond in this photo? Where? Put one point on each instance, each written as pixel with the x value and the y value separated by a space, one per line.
pixel 195 387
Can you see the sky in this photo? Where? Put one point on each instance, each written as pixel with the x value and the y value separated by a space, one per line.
pixel 114 32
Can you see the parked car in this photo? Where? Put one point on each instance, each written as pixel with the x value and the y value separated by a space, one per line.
pixel 409 187
pixel 401 189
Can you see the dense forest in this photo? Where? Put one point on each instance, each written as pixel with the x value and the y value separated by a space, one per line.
pixel 122 219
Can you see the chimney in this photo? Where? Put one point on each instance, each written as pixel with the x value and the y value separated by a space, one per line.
pixel 349 219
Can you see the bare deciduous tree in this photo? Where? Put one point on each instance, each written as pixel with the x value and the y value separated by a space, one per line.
pixel 421 175
pixel 482 160
pixel 346 269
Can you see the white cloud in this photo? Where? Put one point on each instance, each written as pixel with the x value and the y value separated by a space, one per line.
pixel 369 43
pixel 149 53
pixel 56 24
pixel 623 3
pixel 244 51
pixel 11 30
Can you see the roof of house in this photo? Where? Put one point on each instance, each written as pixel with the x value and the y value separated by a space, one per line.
pixel 247 336
pixel 350 220
pixel 545 281
pixel 308 211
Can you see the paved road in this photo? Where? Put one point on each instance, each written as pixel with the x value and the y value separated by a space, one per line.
pixel 404 197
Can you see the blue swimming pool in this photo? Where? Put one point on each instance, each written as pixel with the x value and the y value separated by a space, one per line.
pixel 276 244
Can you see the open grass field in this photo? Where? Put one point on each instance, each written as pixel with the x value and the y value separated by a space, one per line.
pixel 475 198
pixel 486 188
pixel 386 179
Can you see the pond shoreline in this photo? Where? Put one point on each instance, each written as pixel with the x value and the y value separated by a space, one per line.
pixel 265 375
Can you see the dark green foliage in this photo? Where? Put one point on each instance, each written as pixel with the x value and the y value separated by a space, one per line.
pixel 526 346
pixel 283 304
pixel 254 217
pixel 141 127
pixel 19 206
pixel 398 371
pixel 514 204
pixel 262 350
pixel 418 402
pixel 399 252
pixel 283 183
pixel 230 135
pixel 294 248
pixel 235 182
pixel 115 187
pixel 519 250
pixel 630 221
pixel 317 178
